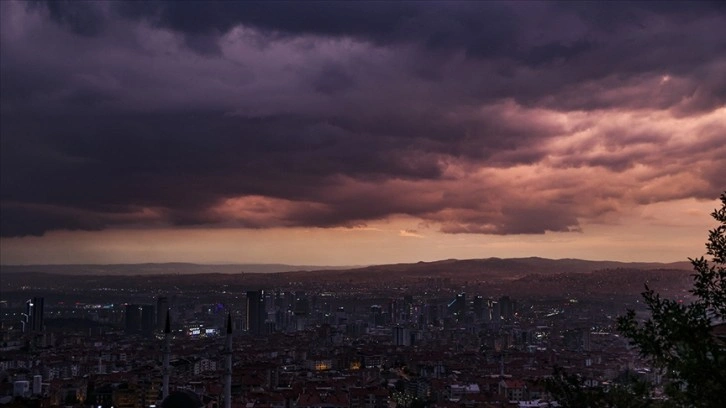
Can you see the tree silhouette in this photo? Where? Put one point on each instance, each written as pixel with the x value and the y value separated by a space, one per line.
pixel 627 391
pixel 681 338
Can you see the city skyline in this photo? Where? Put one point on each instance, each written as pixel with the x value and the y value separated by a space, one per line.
pixel 339 133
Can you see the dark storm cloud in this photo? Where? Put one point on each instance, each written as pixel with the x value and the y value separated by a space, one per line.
pixel 262 114
pixel 517 220
pixel 29 220
pixel 100 160
pixel 485 29
pixel 332 79
pixel 84 18
pixel 543 52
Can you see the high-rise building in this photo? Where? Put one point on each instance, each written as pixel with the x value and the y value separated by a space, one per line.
pixel 34 315
pixel 148 319
pixel 432 309
pixel 506 307
pixel 478 306
pixel 496 312
pixel 279 300
pixel 457 307
pixel 376 315
pixel 256 313
pixel 302 304
pixel 394 309
pixel 401 336
pixel 407 307
pixel 132 316
pixel 38 314
pixel 140 319
pixel 162 305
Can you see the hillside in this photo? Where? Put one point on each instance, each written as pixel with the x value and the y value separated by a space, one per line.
pixel 464 271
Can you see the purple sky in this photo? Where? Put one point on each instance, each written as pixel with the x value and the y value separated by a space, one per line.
pixel 355 132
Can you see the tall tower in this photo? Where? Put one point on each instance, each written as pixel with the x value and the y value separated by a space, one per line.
pixel 228 364
pixel 167 351
pixel 37 315
pixel 256 313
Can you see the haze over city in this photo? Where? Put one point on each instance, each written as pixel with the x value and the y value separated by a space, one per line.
pixel 353 133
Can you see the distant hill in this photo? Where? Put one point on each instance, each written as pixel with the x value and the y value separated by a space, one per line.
pixel 513 267
pixel 519 275
pixel 489 268
pixel 171 268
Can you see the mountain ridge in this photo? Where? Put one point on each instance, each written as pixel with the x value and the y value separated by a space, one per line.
pixel 492 264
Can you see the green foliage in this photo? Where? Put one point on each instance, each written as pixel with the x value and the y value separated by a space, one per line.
pixel 571 391
pixel 679 337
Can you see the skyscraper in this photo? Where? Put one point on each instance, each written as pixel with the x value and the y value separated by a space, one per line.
pixel 167 353
pixel 162 305
pixel 228 364
pixel 148 319
pixel 506 307
pixel 478 306
pixel 457 307
pixel 132 317
pixel 256 313
pixel 35 314
pixel 38 314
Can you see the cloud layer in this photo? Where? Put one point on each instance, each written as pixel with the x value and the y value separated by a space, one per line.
pixel 493 118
